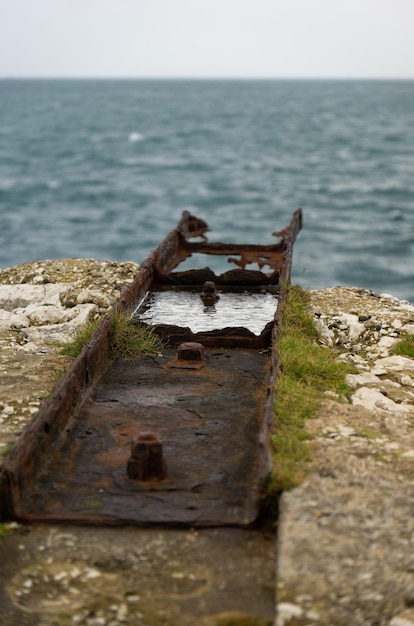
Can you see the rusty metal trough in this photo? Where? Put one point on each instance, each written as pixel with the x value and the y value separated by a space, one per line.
pixel 180 438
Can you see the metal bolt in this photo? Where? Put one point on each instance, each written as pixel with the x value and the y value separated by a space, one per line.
pixel 190 351
pixel 209 294
pixel 146 461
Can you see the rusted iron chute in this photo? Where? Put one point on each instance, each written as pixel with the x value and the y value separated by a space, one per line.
pixel 177 439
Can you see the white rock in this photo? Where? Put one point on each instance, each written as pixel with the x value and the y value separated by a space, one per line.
pixel 8 320
pixel 8 410
pixel 409 329
pixel 401 621
pixel 386 382
pixel 352 358
pixel 373 399
pixel 93 296
pixel 367 378
pixel 286 611
pixel 355 328
pixel 43 315
pixel 19 320
pixel 396 364
pixel 396 323
pixel 325 334
pixel 388 296
pixel 345 431
pixel 84 314
pixel 409 454
pixel 20 296
pixel 91 572
pixel 386 342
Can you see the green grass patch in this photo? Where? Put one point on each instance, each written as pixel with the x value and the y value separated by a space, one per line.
pixel 308 370
pixel 7 528
pixel 57 373
pixel 404 347
pixel 7 449
pixel 367 433
pixel 74 347
pixel 128 339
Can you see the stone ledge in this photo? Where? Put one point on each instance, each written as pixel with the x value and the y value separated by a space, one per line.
pixel 345 534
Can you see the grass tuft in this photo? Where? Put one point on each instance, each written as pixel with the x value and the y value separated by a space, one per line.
pixel 404 347
pixel 74 347
pixel 308 370
pixel 7 528
pixel 130 339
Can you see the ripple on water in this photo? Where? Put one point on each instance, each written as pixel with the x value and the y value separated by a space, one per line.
pixel 182 308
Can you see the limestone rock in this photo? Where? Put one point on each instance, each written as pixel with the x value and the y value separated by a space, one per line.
pixel 355 328
pixel 50 314
pixel 9 320
pixel 20 296
pixel 367 378
pixel 402 621
pixel 386 342
pixel 327 336
pixel 96 297
pixel 373 399
pixel 397 364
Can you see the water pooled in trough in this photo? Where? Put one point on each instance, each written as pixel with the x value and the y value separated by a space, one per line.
pixel 186 309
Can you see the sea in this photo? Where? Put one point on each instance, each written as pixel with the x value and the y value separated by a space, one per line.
pixel 104 168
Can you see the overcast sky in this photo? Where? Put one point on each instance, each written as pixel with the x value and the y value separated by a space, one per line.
pixel 207 38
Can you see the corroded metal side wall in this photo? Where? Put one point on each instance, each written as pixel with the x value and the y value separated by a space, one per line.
pixel 46 431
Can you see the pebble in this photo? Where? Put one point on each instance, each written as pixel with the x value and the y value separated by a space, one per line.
pixel 286 612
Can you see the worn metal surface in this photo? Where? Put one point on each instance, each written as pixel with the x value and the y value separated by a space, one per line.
pixel 208 422
pixel 213 420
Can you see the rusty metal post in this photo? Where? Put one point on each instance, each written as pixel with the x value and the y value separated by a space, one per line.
pixel 209 294
pixel 146 461
pixel 190 351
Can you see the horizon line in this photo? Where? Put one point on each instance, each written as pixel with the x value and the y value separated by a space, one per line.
pixel 212 78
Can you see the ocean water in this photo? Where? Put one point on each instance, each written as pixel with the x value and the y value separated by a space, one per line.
pixel 104 168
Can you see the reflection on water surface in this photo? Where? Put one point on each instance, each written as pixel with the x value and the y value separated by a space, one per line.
pixel 182 308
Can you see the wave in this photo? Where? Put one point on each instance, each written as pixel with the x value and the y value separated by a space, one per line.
pixel 134 137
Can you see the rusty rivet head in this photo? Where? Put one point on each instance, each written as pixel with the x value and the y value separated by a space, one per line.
pixel 209 294
pixel 190 351
pixel 146 461
pixel 209 287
